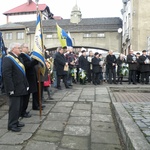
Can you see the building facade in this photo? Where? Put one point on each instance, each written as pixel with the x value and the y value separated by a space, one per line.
pixel 136 22
pixel 95 33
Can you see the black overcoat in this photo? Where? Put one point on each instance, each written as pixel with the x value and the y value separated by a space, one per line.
pixel 96 65
pixel 132 65
pixel 144 67
pixel 60 62
pixel 110 60
pixel 14 79
pixel 30 72
pixel 83 63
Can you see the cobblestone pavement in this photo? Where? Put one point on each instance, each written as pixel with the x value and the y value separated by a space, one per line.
pixel 140 112
pixel 77 119
pixel 136 101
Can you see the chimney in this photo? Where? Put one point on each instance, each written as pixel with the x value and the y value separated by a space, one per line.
pixel 28 2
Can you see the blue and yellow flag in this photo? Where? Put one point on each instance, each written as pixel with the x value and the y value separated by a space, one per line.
pixel 64 38
pixel 38 52
pixel 2 52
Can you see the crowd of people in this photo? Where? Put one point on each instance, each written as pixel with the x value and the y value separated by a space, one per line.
pixel 21 77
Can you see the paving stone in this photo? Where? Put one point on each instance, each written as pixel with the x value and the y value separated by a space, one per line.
pixel 5 108
pixel 141 124
pixel 87 97
pixel 103 98
pixel 2 113
pixel 74 142
pixel 104 137
pixel 103 118
pixel 79 120
pixel 105 111
pixel 57 116
pixel 33 120
pixel 3 123
pixel 30 128
pixel 48 136
pixel 148 139
pixel 105 147
pixel 3 131
pixel 64 104
pixel 70 98
pixel 9 147
pixel 37 145
pixel 80 113
pixel 103 126
pixel 147 133
pixel 98 104
pixel 53 125
pixel 82 106
pixel 77 130
pixel 61 109
pixel 14 138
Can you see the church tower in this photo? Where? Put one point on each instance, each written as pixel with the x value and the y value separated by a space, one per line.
pixel 76 14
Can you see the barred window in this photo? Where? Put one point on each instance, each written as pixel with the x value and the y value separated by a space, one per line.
pixel 87 35
pixel 20 35
pixel 101 35
pixel 8 36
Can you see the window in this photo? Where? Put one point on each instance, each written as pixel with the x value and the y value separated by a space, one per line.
pixel 87 35
pixel 49 36
pixel 101 35
pixel 8 36
pixel 20 35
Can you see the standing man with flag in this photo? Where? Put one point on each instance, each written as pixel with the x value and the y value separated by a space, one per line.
pixel 38 54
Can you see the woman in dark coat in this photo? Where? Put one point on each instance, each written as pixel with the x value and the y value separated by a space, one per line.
pixel 96 68
pixel 16 85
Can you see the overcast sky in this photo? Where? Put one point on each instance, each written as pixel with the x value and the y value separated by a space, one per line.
pixel 89 8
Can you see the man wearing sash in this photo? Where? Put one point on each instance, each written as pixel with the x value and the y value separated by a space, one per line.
pixel 16 85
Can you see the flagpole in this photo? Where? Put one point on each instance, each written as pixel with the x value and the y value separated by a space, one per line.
pixel 39 82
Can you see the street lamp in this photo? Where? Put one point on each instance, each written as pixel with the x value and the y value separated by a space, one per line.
pixel 120 39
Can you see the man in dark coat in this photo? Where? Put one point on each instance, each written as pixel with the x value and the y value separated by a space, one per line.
pixel 96 68
pixel 29 64
pixel 111 64
pixel 83 65
pixel 60 62
pixel 144 61
pixel 132 61
pixel 16 85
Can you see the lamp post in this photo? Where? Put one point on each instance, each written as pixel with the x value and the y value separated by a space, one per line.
pixel 120 39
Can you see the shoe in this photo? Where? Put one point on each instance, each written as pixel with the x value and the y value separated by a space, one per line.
pixel 20 124
pixel 59 88
pixel 50 98
pixel 26 115
pixel 70 85
pixel 15 129
pixel 67 87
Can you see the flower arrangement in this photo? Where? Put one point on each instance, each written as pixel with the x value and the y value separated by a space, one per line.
pixel 124 69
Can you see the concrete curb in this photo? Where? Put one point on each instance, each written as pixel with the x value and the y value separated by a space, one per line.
pixel 132 137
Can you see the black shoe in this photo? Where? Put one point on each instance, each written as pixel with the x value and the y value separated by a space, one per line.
pixel 26 115
pixel 67 87
pixel 15 129
pixel 20 124
pixel 59 88
pixel 50 98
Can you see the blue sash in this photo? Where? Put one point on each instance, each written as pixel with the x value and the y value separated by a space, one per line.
pixel 17 63
pixel 27 55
